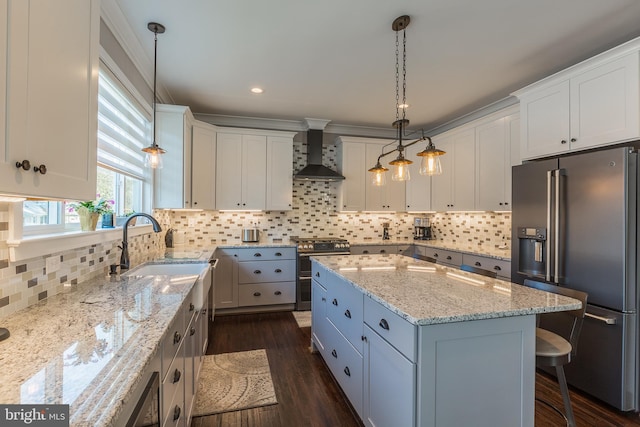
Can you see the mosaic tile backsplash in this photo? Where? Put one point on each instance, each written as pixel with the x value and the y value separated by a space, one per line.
pixel 314 214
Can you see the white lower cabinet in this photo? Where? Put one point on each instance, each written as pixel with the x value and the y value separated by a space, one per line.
pixel 389 384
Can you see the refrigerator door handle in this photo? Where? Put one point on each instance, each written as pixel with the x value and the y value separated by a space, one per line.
pixel 549 213
pixel 607 320
pixel 556 231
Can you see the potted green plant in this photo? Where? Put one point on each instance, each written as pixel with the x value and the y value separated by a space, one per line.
pixel 89 211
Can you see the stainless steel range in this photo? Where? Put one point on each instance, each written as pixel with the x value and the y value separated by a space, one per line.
pixel 308 247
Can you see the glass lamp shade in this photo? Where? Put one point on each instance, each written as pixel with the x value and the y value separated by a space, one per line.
pixel 153 157
pixel 430 165
pixel 400 169
pixel 378 175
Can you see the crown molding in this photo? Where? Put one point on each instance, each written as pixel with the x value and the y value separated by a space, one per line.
pixel 474 115
pixel 115 20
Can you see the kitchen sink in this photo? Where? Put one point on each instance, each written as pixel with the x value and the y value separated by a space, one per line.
pixel 167 269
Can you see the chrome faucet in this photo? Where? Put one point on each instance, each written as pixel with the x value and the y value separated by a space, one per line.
pixel 124 256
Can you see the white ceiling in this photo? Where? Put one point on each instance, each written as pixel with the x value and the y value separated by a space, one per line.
pixel 335 59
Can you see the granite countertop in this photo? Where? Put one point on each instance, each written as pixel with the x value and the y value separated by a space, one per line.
pixel 424 293
pixel 488 251
pixel 89 345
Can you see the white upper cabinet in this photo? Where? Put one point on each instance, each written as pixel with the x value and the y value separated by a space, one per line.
pixel 243 164
pixel 203 166
pixel 279 173
pixel 172 183
pixel 418 188
pixel 594 103
pixel 49 79
pixel 494 142
pixel 454 189
pixel 352 165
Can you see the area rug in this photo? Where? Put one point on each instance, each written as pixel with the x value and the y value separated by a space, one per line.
pixel 234 381
pixel 303 318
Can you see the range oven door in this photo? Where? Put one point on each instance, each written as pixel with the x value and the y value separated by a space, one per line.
pixel 303 288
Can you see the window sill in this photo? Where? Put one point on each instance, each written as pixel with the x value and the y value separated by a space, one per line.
pixel 31 247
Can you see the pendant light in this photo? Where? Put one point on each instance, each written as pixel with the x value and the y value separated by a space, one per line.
pixel 153 153
pixel 430 164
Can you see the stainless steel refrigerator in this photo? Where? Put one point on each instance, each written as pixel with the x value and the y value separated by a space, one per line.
pixel 574 224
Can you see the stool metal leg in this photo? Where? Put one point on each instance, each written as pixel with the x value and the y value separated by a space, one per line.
pixel 564 390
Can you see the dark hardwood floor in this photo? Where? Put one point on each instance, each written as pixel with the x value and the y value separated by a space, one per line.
pixel 308 396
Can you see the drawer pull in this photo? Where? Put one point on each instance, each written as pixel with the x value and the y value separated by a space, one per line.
pixel 347 371
pixel 436 255
pixel 177 337
pixel 334 302
pixel 191 306
pixel 477 264
pixel 192 332
pixel 497 268
pixel 256 294
pixel 324 299
pixel 278 270
pixel 257 254
pixel 277 293
pixel 176 376
pixel 317 274
pixel 363 338
pixel 384 324
pixel 448 257
pixel 176 413
pixel 383 251
pixel 347 314
pixel 334 354
pixel 257 272
pixel 278 254
pixel 365 252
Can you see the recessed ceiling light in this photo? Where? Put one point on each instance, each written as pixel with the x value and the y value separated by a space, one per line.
pixel 257 90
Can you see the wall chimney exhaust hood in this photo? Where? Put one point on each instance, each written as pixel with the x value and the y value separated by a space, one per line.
pixel 315 170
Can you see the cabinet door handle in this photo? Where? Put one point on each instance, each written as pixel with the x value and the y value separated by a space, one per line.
pixel 363 338
pixel 277 293
pixel 573 140
pixel 257 254
pixel 436 255
pixel 324 299
pixel 192 331
pixel 383 251
pixel 177 337
pixel 256 294
pixel 257 271
pixel 448 257
pixel 42 169
pixel 564 141
pixel 477 264
pixel 318 274
pixel 347 314
pixel 334 354
pixel 176 413
pixel 347 371
pixel 191 306
pixel 278 270
pixel 176 376
pixel 278 254
pixel 334 302
pixel 25 165
pixel 497 268
pixel 384 324
pixel 365 252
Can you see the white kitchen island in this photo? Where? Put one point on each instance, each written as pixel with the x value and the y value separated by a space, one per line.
pixel 413 343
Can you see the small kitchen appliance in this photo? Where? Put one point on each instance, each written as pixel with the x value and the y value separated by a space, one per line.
pixel 250 235
pixel 421 228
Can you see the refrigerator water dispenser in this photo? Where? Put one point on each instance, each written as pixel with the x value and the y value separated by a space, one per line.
pixel 532 243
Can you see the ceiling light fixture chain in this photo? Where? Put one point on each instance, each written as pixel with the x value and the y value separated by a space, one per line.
pixel 153 153
pixel 430 164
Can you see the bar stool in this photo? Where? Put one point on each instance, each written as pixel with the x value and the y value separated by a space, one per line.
pixel 555 350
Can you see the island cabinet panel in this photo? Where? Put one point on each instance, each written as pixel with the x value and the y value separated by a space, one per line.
pixel 458 368
pixel 389 384
pixel 319 316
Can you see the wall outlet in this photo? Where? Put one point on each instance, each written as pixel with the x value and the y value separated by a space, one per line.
pixel 192 222
pixel 52 264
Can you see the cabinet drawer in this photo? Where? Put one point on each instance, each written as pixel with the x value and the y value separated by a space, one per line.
pixel 501 267
pixel 173 391
pixel 446 257
pixel 345 310
pixel 373 249
pixel 327 279
pixel 393 328
pixel 266 271
pixel 267 294
pixel 266 254
pixel 346 365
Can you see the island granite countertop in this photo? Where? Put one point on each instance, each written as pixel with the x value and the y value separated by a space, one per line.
pixel 89 345
pixel 424 293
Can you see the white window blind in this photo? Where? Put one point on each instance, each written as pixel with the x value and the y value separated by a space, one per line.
pixel 123 127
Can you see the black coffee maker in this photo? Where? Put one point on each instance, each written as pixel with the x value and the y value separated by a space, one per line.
pixel 421 228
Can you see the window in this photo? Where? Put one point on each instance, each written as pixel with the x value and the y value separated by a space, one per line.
pixel 123 130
